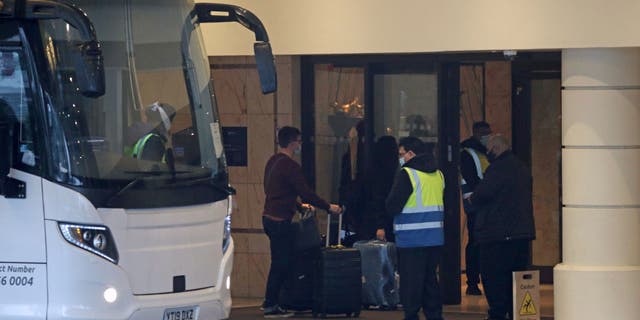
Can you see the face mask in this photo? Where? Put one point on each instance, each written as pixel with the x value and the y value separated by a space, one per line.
pixel 484 140
pixel 298 150
pixel 401 160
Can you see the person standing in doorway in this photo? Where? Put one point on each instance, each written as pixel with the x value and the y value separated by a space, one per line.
pixel 473 163
pixel 283 184
pixel 416 202
pixel 504 224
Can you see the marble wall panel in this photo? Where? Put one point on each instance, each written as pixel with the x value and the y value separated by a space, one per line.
pixel 285 86
pixel 240 216
pixel 240 275
pixel 258 265
pixel 261 135
pixel 546 137
pixel 231 86
pixel 241 243
pixel 257 102
pixel 284 119
pixel 233 60
pixel 258 243
pixel 255 204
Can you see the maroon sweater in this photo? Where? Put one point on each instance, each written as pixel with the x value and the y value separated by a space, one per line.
pixel 283 183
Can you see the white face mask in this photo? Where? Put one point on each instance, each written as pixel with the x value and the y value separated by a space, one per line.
pixel 401 160
pixel 298 150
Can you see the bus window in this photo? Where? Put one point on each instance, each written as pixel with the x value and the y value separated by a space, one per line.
pixel 15 104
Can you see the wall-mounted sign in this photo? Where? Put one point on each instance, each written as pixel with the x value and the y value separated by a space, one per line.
pixel 235 145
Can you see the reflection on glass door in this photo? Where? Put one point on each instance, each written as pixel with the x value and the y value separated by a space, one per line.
pixel 406 105
pixel 339 114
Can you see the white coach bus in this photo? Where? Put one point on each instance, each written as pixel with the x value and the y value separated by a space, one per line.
pixel 90 228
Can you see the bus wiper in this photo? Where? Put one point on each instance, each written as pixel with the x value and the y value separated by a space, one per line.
pixel 136 181
pixel 152 173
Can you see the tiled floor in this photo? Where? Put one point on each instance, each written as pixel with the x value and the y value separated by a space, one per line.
pixel 472 307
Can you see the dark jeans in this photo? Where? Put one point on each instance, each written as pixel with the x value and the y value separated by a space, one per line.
pixel 472 256
pixel 419 282
pixel 281 238
pixel 497 261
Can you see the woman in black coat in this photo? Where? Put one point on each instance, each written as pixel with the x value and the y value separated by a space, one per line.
pixel 381 171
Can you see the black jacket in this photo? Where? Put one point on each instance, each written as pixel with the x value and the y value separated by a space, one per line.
pixel 503 202
pixel 467 165
pixel 402 188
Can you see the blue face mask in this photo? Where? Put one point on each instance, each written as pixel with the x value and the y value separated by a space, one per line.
pixel 484 140
pixel 298 150
pixel 401 160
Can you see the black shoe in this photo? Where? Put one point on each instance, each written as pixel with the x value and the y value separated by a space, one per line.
pixel 264 303
pixel 473 291
pixel 276 312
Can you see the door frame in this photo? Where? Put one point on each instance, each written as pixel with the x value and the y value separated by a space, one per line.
pixel 524 70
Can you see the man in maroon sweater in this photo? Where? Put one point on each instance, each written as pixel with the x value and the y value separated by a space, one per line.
pixel 283 184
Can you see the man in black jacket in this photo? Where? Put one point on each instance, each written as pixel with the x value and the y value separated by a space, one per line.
pixel 473 164
pixel 416 205
pixel 504 225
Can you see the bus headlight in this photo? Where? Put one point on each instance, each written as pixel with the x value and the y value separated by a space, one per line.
pixel 226 235
pixel 95 239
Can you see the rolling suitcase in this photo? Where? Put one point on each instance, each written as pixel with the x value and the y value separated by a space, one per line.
pixel 379 285
pixel 338 283
pixel 297 291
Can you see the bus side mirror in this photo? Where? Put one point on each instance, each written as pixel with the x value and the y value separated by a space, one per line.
pixel 266 67
pixel 88 58
pixel 216 12
pixel 90 69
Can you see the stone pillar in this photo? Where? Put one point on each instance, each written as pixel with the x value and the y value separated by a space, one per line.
pixel 599 277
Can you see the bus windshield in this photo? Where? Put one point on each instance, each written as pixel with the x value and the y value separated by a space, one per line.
pixel 158 117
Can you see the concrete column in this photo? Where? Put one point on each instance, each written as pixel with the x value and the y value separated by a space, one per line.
pixel 599 277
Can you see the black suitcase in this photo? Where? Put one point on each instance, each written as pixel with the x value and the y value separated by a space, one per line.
pixel 297 291
pixel 338 281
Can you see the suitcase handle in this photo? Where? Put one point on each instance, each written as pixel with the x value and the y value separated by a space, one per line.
pixel 329 214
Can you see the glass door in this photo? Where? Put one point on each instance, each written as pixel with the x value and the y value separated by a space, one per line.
pixel 423 101
pixel 406 104
pixel 354 110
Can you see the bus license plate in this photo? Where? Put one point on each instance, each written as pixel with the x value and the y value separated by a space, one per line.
pixel 182 313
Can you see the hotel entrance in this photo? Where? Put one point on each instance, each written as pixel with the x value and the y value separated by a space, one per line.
pixel 351 102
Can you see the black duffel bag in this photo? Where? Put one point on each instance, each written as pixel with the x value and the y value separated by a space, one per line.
pixel 307 235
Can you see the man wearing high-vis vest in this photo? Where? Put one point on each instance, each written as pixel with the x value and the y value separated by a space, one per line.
pixel 417 205
pixel 473 163
pixel 152 137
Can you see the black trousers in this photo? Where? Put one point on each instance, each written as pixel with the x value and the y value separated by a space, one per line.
pixel 419 286
pixel 472 256
pixel 497 261
pixel 281 238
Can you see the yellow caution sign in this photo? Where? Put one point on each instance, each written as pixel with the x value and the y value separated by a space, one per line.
pixel 527 308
